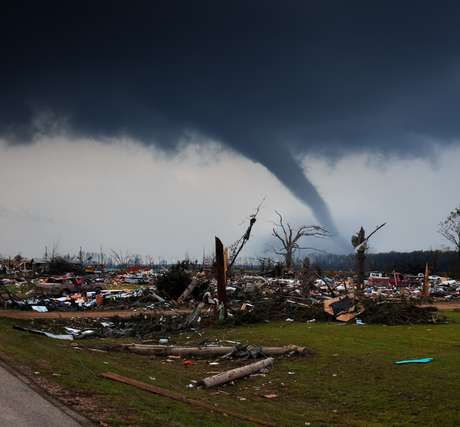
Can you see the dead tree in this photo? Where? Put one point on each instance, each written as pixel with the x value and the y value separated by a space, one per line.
pixel 122 260
pixel 236 247
pixel 359 242
pixel 290 239
pixel 450 229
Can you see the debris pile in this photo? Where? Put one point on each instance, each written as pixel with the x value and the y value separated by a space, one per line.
pixel 250 298
pixel 401 312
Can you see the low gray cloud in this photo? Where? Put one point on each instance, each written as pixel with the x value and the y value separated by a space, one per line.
pixel 24 214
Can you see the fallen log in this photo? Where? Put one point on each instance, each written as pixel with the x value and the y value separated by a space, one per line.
pixel 188 291
pixel 168 350
pixel 157 297
pixel 181 398
pixel 236 373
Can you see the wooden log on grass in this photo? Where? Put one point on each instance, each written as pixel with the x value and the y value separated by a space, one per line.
pixel 234 374
pixel 168 350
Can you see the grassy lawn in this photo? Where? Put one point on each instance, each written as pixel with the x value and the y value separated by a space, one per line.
pixel 349 381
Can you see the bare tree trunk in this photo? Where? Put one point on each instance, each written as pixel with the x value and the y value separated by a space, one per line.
pixel 288 260
pixel 360 259
pixel 221 275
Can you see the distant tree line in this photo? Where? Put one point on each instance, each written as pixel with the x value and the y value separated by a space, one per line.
pixel 440 262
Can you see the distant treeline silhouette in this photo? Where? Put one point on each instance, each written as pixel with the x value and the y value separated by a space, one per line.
pixel 440 262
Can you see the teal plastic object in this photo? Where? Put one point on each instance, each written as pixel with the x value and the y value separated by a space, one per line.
pixel 422 360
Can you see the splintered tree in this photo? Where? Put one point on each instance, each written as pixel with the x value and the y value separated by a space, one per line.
pixel 290 238
pixel 450 229
pixel 359 242
pixel 223 265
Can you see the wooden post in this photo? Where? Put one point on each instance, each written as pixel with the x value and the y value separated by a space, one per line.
pixel 220 275
pixel 426 282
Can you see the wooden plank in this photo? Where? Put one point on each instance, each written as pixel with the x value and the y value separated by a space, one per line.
pixel 181 398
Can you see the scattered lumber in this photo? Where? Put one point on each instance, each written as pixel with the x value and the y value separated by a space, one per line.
pixel 181 398
pixel 236 373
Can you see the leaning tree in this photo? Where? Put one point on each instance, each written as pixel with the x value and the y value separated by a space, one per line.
pixel 450 228
pixel 290 238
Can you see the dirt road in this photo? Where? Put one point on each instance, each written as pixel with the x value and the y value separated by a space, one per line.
pixel 445 305
pixel 19 314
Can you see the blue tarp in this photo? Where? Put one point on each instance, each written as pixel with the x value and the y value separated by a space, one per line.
pixel 422 360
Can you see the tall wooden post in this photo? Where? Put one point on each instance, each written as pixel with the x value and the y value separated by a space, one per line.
pixel 426 282
pixel 360 257
pixel 221 275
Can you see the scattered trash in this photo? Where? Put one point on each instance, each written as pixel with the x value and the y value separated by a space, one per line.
pixel 44 333
pixel 39 308
pixel 343 308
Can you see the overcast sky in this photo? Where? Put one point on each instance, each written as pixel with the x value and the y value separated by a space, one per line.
pixel 124 195
pixel 154 126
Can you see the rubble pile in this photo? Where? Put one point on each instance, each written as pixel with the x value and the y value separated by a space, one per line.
pixel 400 312
pixel 391 299
pixel 142 326
pixel 277 309
pixel 104 299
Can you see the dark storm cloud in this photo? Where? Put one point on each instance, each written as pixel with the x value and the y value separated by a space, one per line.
pixel 269 79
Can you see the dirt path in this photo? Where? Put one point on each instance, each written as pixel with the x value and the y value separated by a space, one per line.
pixel 445 305
pixel 19 314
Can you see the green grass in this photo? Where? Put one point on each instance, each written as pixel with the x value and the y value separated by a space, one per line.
pixel 350 380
